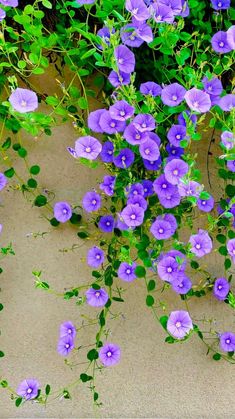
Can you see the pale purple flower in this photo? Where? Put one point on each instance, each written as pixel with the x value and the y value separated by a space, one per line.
pixel 107 151
pixel 189 188
pixel 106 223
pixel 152 165
pixel 62 211
pixel 185 9
pixel 175 170
pixel 132 215
pixel 153 136
pixel 107 186
pixel 2 14
pixel 65 345
pixel 161 229
pixel 133 136
pixel 125 59
pixel 228 140
pixel 120 224
pixel 142 30
pixel 138 9
pixel 88 147
pixel 11 3
pixel 96 298
pixel 167 268
pixel 67 329
pixel 148 187
pixel 95 257
pixel 109 354
pixel 110 125
pixel 105 34
pixel 201 243
pixel 119 79
pixel 162 13
pixel 3 181
pixel 135 189
pixel 175 5
pixel 149 150
pixel 176 134
pixel 28 389
pixel 206 205
pixel 93 121
pixel 82 2
pixel 170 200
pixel 91 201
pixel 144 122
pixel 227 341
pixel 23 100
pixel 130 37
pixel 231 248
pixel 220 43
pixel 173 94
pixel 127 272
pixel 221 288
pixel 220 4
pixel 213 87
pixel 182 284
pixel 179 324
pixel 150 88
pixel 162 187
pixel 121 110
pixel 231 37
pixel 138 200
pixel 227 102
pixel 198 100
pixel 231 165
pixel 124 159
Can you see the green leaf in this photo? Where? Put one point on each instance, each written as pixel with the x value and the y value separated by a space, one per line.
pixel 230 191
pixel 163 320
pixel 2 354
pixel 221 238
pixel 40 201
pixel 151 285
pixel 32 183
pixel 227 264
pixel 1 307
pixel 194 264
pixel 6 144
pixel 96 396
pixel 34 170
pixel 47 389
pixel 140 271
pixel 83 234
pixel 84 378
pixel 223 250
pixel 18 401
pixel 82 103
pixel 217 356
pixel 10 172
pixel 47 4
pixel 150 300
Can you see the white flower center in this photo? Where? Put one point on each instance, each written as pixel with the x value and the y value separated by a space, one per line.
pixel 94 201
pixel 220 287
pixel 109 354
pixel 67 345
pixel 164 185
pixel 123 158
pixel 122 113
pixel 198 246
pixel 23 103
pixel 169 269
pixel 178 136
pixel 219 4
pixel 160 230
pixel 108 223
pixel 98 257
pixel 178 324
pixel 144 125
pixel 158 18
pixel 128 271
pixel 228 341
pixel 135 11
pixel 195 104
pixel 88 149
pixel 120 60
pixel 64 211
pixel 133 216
pixel 174 97
pixel 221 44
pixel 112 124
pixel 97 294
pixel 147 151
pixel 29 390
pixel 137 137
pixel 175 172
pixel 69 331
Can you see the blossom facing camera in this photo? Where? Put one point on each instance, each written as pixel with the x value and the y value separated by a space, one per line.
pixel 62 212
pixel 201 243
pixel 227 342
pixel 173 94
pixel 132 215
pixel 106 223
pixel 110 354
pixel 198 100
pixel 91 201
pixel 179 324
pixel 221 288
pixel 96 298
pixel 138 9
pixel 23 100
pixel 220 43
pixel 65 345
pixel 67 329
pixel 95 257
pixel 127 272
pixel 88 147
pixel 28 389
pixel 125 59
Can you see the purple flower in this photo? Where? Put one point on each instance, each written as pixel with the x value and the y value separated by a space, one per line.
pixel 28 389
pixel 213 87
pixel 138 9
pixel 138 200
pixel 67 329
pixel 231 37
pixel 125 59
pixel 110 354
pixel 173 94
pixel 185 9
pixel 96 298
pixel 132 215
pixel 220 43
pixel 136 189
pixel 91 201
pixel 228 140
pixel 120 224
pixel 3 181
pixel 149 150
pixel 133 136
pixel 124 159
pixel 82 2
pixel 189 188
pixel 72 152
pixel 119 79
pixel 162 187
pixel 176 134
pixel 95 257
pixel 152 165
pixel 231 248
pixel 175 170
pixel 142 30
pixel 62 211
pixel 174 152
pixel 162 13
pixel 88 147
pixel 170 200
pixel 221 288
pixel 105 34
pixel 127 272
pixel 198 100
pixel 206 205
pixel 107 151
pixel 201 243
pixel 179 324
pixel 106 223
pixel 144 122
pixel 110 125
pixel 175 5
pixel 181 284
pixel 2 14
pixel 94 120
pixel 227 342
pixel 65 345
pixel 129 36
pixel 108 185
pixel 220 4
pixel 182 120
pixel 12 3
pixel 148 187
pixel 161 229
pixel 121 110
pixel 231 165
pixel 150 88
pixel 227 102
pixel 167 268
pixel 23 100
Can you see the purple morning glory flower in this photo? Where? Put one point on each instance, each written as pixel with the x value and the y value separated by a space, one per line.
pixel 220 4
pixel 201 243
pixel 227 102
pixel 3 181
pixel 231 165
pixel 153 136
pixel 189 188
pixel 110 125
pixel 94 120
pixel 152 165
pixel 231 248
pixel 62 211
pixel 162 187
pixel 175 170
pixel 214 100
pixel 28 389
pixel 227 342
pixel 161 229
pixel 109 354
pixel 220 43
pixel 127 272
pixel 175 5
pixel 167 268
pixel 179 324
pixel 82 2
pixel 107 151
pixel 96 298
pixel 65 345
pixel 105 34
pixel 121 110
pixel 23 100
pixel 125 59
pixel 198 100
pixel 91 201
pixel 150 88
pixel 182 119
pixel 106 223
pixel 185 9
pixel 88 147
pixel 144 122
pixel 95 257
pixel 130 37
pixel 138 9
pixel 12 3
pixel 133 136
pixel 162 13
pixel 221 288
pixel 148 188
pixel 120 224
pixel 67 329
pixel 176 253
pixel 72 152
pixel 174 152
pixel 173 94
pixel 119 79
pixel 124 159
pixel 182 284
pixel 143 30
pixel 132 215
pixel 149 150
pixel 138 200
pixel 231 37
pixel 176 134
pixel 136 189
pixel 2 14
pixel 108 185
pixel 228 140
pixel 206 205
pixel 170 200
pixel 212 87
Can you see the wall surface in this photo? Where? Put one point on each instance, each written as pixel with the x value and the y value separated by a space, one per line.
pixel 154 379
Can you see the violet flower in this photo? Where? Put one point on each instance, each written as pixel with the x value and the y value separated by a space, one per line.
pixel 175 5
pixel 231 37
pixel 231 248
pixel 130 37
pixel 121 110
pixel 88 147
pixel 173 94
pixel 91 201
pixel 138 200
pixel 133 136
pixel 219 43
pixel 132 215
pixel 28 389
pixel 206 205
pixel 228 140
pixel 162 13
pixel 11 3
pixel 175 170
pixel 231 165
pixel 167 268
pixel 119 79
pixel 201 243
pixel 152 165
pixel 3 181
pixel 189 188
pixel 220 4
pixel 110 125
pixel 213 87
pixel 109 354
pixel 106 223
pixel 95 257
pixel 2 14
pixel 148 188
pixel 65 345
pixel 161 229
pixel 138 9
pixel 150 89
pixel 198 100
pixel 144 122
pixel 125 59
pixel 107 151
pixel 96 298
pixel 149 150
pixel 227 102
pixel 93 121
pixel 23 100
pixel 176 134
pixel 221 288
pixel 124 159
pixel 67 329
pixel 227 342
pixel 179 324
pixel 62 211
pixel 127 272
pixel 182 284
pixel 108 184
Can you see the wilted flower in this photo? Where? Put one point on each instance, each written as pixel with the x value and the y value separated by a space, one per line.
pixel 23 100
pixel 96 298
pixel 124 159
pixel 109 354
pixel 227 341
pixel 132 215
pixel 65 345
pixel 127 272
pixel 62 211
pixel 179 324
pixel 201 243
pixel 150 88
pixel 173 94
pixel 95 257
pixel 106 223
pixel 221 288
pixel 220 43
pixel 67 329
pixel 125 59
pixel 88 147
pixel 198 100
pixel 175 170
pixel 28 389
